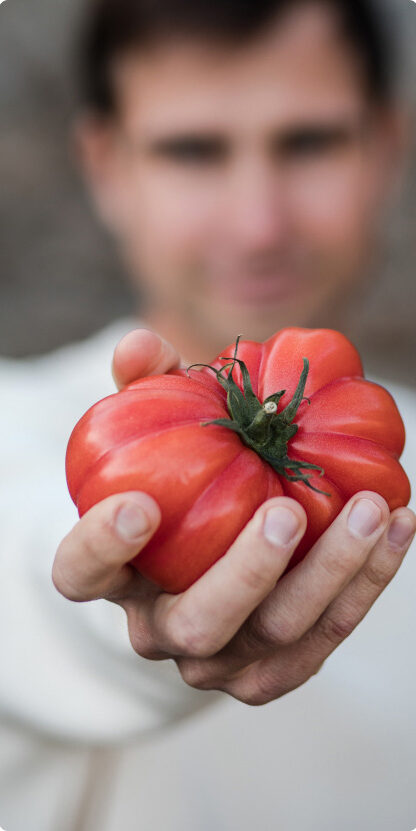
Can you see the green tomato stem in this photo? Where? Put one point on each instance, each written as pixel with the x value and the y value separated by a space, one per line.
pixel 260 425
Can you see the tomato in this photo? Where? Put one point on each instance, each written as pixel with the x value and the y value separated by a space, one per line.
pixel 293 415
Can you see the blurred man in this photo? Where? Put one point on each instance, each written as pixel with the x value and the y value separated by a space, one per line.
pixel 242 158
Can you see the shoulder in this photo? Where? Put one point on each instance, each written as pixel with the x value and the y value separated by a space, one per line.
pixel 71 359
pixel 44 396
pixel 79 370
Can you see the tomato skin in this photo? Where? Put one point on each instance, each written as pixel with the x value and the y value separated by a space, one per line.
pixel 207 482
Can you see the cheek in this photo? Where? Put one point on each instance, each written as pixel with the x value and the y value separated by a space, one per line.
pixel 335 208
pixel 171 220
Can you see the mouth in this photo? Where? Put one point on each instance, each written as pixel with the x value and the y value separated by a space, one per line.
pixel 258 289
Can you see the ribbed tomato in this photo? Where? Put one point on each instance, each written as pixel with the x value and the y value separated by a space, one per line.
pixel 292 416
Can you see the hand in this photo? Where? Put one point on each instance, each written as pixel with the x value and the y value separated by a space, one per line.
pixel 235 630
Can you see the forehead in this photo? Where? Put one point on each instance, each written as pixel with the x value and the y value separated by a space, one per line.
pixel 300 67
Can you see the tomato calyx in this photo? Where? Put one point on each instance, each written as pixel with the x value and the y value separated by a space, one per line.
pixel 260 425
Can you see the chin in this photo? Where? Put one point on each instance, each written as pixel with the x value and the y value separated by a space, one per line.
pixel 226 331
pixel 224 322
pixel 259 326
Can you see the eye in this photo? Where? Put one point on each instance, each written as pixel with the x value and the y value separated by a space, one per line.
pixel 191 150
pixel 312 142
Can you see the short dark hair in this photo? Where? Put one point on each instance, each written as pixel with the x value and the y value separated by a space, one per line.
pixel 113 27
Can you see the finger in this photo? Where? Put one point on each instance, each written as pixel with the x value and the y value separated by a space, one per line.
pixel 350 607
pixel 303 594
pixel 290 667
pixel 141 353
pixel 202 619
pixel 93 559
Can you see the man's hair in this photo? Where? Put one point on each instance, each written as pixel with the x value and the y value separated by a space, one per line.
pixel 112 28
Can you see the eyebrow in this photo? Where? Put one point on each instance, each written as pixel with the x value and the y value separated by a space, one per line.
pixel 331 135
pixel 193 140
pixel 210 142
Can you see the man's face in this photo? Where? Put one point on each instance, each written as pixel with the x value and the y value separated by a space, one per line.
pixel 244 184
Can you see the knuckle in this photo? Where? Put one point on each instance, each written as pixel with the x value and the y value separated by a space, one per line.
pixel 377 575
pixel 144 650
pixel 317 668
pixel 256 577
pixel 342 563
pixel 138 643
pixel 195 674
pixel 334 630
pixel 257 698
pixel 141 640
pixel 263 690
pixel 187 640
pixel 253 699
pixel 259 634
pixel 256 635
pixel 286 632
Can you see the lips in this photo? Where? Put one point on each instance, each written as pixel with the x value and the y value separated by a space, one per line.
pixel 258 289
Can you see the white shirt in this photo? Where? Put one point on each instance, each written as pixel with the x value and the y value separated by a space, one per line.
pixel 95 738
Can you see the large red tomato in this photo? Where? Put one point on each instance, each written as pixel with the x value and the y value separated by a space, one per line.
pixel 291 416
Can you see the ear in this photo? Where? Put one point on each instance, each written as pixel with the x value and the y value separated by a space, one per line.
pixel 396 143
pixel 94 148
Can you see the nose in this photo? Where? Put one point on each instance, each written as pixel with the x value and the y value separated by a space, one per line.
pixel 256 216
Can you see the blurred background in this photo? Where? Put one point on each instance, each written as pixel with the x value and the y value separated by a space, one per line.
pixel 60 278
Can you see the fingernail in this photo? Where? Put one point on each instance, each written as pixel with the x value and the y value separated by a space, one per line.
pixel 364 518
pixel 280 525
pixel 131 522
pixel 401 531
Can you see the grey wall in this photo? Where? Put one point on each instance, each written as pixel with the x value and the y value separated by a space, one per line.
pixel 59 276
